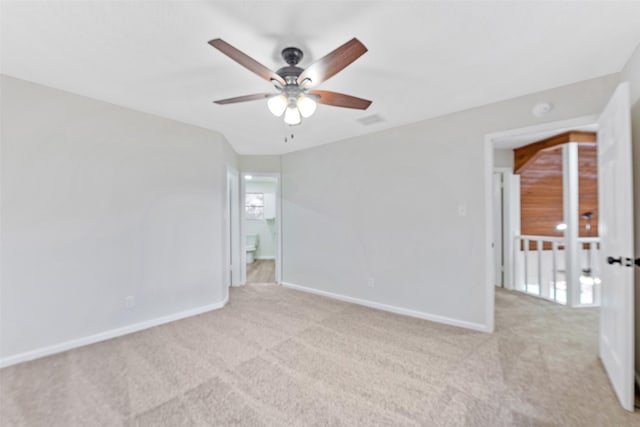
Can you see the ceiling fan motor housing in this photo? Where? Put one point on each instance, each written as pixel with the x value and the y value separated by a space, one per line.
pixel 290 73
pixel 292 55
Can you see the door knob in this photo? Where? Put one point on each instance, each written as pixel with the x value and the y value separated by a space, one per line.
pixel 611 260
pixel 627 262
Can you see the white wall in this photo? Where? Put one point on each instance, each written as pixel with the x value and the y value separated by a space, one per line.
pixel 503 158
pixel 259 164
pixel 631 73
pixel 385 206
pixel 98 203
pixel 264 228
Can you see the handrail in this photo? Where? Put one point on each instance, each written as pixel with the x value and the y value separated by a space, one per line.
pixel 545 238
pixel 556 238
pixel 588 239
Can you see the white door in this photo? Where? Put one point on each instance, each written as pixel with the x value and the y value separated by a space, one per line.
pixel 615 201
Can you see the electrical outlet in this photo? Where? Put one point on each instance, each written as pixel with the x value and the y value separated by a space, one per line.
pixel 129 302
pixel 370 282
pixel 462 209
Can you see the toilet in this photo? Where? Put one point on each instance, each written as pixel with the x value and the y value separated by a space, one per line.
pixel 251 247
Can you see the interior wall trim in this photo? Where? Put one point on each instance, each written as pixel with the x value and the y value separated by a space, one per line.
pixel 393 309
pixel 106 335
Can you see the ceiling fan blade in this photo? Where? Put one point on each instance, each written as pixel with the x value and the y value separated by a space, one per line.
pixel 244 98
pixel 246 61
pixel 332 63
pixel 340 99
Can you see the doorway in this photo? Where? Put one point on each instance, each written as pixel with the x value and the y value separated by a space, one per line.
pixel 554 253
pixel 260 213
pixel 616 312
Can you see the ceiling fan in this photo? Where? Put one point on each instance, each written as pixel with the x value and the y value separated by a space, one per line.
pixel 295 97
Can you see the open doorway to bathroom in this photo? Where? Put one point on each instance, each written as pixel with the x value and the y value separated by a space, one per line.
pixel 261 227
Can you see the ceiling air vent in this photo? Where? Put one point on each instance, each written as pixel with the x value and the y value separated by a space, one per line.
pixel 369 120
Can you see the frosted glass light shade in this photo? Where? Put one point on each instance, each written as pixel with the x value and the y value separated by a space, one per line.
pixel 277 104
pixel 292 116
pixel 306 105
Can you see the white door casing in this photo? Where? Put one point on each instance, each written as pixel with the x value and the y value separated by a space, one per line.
pixel 232 230
pixel 242 273
pixel 615 201
pixel 498 229
pixel 228 250
pixel 506 221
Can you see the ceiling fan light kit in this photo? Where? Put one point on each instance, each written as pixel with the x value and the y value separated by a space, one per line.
pixel 293 108
pixel 277 104
pixel 306 105
pixel 292 115
pixel 295 99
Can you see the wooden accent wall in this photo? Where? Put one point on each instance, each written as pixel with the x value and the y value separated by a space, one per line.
pixel 525 156
pixel 588 187
pixel 541 189
pixel 541 194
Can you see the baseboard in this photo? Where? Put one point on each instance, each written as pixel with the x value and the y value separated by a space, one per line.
pixel 103 336
pixel 391 308
pixel 265 257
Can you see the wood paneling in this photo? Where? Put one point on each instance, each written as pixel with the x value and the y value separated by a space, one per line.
pixel 523 157
pixel 261 271
pixel 541 195
pixel 588 187
pixel 541 191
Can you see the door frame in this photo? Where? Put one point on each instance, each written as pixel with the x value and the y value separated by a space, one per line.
pixel 506 222
pixel 232 247
pixel 511 220
pixel 243 228
pixel 489 142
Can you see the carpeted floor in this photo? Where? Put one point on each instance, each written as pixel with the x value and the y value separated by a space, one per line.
pixel 279 357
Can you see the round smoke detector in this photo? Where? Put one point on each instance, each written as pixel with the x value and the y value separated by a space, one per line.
pixel 541 108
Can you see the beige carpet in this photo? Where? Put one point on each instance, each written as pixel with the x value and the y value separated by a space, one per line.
pixel 283 358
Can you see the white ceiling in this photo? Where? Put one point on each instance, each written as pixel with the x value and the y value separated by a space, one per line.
pixel 261 179
pixel 425 59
